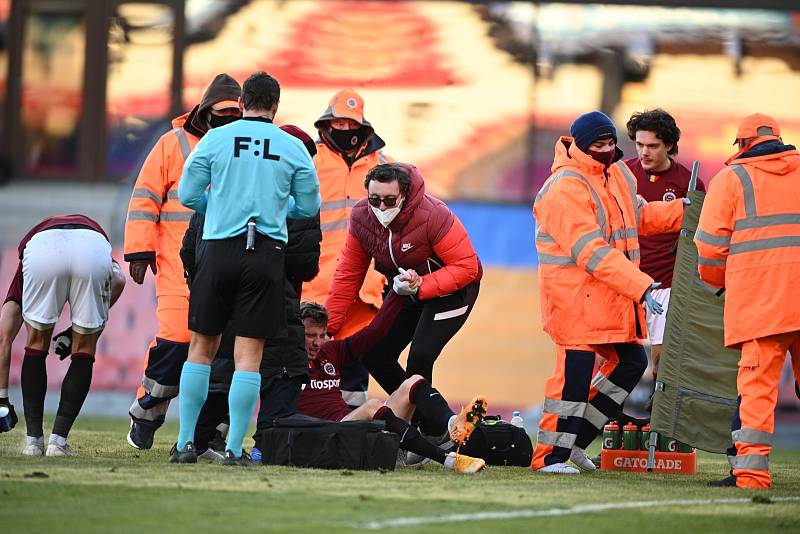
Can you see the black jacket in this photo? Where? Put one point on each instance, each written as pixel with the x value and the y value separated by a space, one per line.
pixel 285 355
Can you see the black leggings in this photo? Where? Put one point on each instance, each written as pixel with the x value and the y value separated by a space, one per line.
pixel 428 325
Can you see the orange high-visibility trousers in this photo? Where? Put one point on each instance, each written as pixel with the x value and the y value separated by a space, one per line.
pixel 163 361
pixel 576 406
pixel 760 369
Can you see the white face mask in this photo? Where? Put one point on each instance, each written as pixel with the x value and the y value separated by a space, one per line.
pixel 386 217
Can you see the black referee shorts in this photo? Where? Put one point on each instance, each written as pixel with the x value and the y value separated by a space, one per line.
pixel 245 288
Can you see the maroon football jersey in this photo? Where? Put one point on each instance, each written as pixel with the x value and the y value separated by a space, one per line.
pixel 658 251
pixel 322 396
pixel 58 221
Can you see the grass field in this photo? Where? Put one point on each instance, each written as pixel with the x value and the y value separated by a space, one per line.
pixel 114 488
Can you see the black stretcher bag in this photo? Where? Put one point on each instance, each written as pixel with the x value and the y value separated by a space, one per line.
pixel 499 443
pixel 302 441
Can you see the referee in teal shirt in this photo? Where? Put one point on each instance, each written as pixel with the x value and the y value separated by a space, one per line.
pixel 249 171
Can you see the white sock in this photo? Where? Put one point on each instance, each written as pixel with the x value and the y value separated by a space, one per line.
pixel 34 440
pixel 58 440
pixel 450 422
pixel 3 393
pixel 450 460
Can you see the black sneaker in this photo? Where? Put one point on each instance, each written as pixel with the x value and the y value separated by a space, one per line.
pixel 185 456
pixel 140 436
pixel 727 482
pixel 241 461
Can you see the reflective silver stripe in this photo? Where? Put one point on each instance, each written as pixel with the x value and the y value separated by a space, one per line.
pixel 710 262
pixel 710 239
pixel 556 439
pixel 151 414
pixel 176 216
pixel 731 459
pixel 634 254
pixel 172 194
pixel 157 390
pixel 338 204
pixel 142 192
pixel 563 407
pixel 749 461
pixel 596 258
pixel 542 237
pixel 595 417
pixel 183 141
pixel 584 240
pixel 637 204
pixel 609 389
pixel 760 221
pixel 334 225
pixel 601 212
pixel 354 398
pixel 754 437
pixel 747 190
pixel 550 259
pixel 549 183
pixel 765 244
pixel 624 234
pixel 137 215
pixel 381 157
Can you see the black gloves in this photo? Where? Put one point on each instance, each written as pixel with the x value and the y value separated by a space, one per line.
pixel 63 343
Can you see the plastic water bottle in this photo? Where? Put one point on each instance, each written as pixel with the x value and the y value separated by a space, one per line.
pixel 516 419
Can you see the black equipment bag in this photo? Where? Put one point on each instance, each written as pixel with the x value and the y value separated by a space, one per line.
pixel 499 443
pixel 302 441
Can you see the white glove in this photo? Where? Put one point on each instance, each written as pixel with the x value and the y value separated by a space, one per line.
pixel 402 287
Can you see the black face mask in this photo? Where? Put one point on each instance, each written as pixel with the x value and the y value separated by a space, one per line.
pixel 606 158
pixel 221 120
pixel 349 140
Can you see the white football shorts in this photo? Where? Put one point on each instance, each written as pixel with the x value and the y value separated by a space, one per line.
pixel 656 323
pixel 67 265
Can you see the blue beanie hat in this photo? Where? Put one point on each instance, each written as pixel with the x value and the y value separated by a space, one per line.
pixel 591 127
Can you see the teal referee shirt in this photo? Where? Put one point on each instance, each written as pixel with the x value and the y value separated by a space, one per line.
pixel 253 168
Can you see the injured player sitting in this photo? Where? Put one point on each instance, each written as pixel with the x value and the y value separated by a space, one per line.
pixel 322 397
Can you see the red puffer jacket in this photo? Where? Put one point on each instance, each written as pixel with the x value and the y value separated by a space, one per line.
pixel 426 236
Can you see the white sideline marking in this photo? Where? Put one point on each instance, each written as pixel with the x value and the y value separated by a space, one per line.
pixel 582 509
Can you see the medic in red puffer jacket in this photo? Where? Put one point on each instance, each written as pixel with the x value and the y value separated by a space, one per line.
pixel 425 236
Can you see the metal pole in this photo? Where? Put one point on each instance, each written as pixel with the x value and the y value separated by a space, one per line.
pixel 651 450
pixel 693 179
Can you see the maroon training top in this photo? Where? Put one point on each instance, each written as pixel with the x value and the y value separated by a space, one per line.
pixel 322 396
pixel 58 221
pixel 658 251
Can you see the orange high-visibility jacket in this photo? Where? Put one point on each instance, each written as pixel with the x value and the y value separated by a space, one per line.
pixel 156 219
pixel 748 241
pixel 587 239
pixel 341 187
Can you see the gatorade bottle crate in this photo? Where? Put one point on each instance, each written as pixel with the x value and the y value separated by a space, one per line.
pixel 683 463
pixel 626 449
